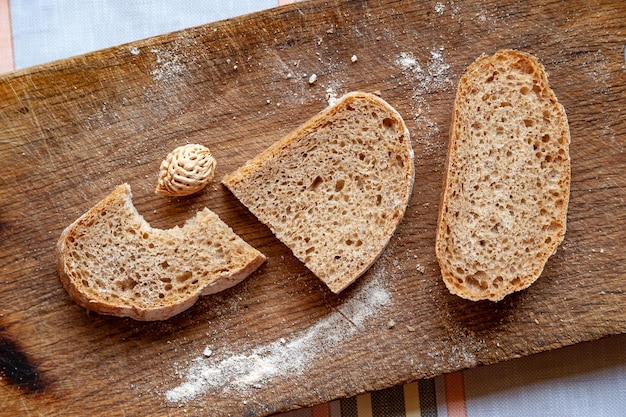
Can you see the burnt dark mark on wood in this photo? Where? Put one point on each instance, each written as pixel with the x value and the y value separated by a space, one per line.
pixel 16 367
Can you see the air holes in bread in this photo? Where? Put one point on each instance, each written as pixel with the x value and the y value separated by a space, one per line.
pixel 354 186
pixel 504 200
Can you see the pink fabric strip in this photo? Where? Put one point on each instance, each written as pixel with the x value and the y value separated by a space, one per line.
pixel 7 59
pixel 455 394
pixel 322 410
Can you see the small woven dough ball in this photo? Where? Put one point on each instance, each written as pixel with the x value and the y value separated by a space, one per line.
pixel 186 170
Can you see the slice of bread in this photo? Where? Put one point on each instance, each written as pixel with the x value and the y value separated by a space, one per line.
pixel 506 189
pixel 112 262
pixel 334 189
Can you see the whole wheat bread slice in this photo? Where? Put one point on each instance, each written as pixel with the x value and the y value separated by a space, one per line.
pixel 506 188
pixel 334 189
pixel 112 262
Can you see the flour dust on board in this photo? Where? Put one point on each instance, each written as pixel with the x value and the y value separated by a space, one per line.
pixel 257 367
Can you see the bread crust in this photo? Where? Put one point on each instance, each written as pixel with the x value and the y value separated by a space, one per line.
pixel 80 280
pixel 477 263
pixel 269 167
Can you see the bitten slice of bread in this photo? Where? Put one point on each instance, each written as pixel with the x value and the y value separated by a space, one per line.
pixel 506 188
pixel 334 189
pixel 112 262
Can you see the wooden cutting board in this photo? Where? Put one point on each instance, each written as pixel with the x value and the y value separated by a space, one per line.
pixel 70 131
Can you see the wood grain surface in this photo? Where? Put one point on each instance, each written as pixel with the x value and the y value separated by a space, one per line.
pixel 70 131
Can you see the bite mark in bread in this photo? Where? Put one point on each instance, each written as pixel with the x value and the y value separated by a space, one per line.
pixel 111 261
pixel 506 188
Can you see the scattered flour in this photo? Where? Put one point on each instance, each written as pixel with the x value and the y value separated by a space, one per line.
pixel 426 80
pixel 440 8
pixel 228 371
pixel 331 95
pixel 408 62
pixel 596 67
pixel 436 75
pixel 169 65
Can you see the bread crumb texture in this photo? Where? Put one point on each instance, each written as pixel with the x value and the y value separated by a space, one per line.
pixel 506 191
pixel 335 189
pixel 111 261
